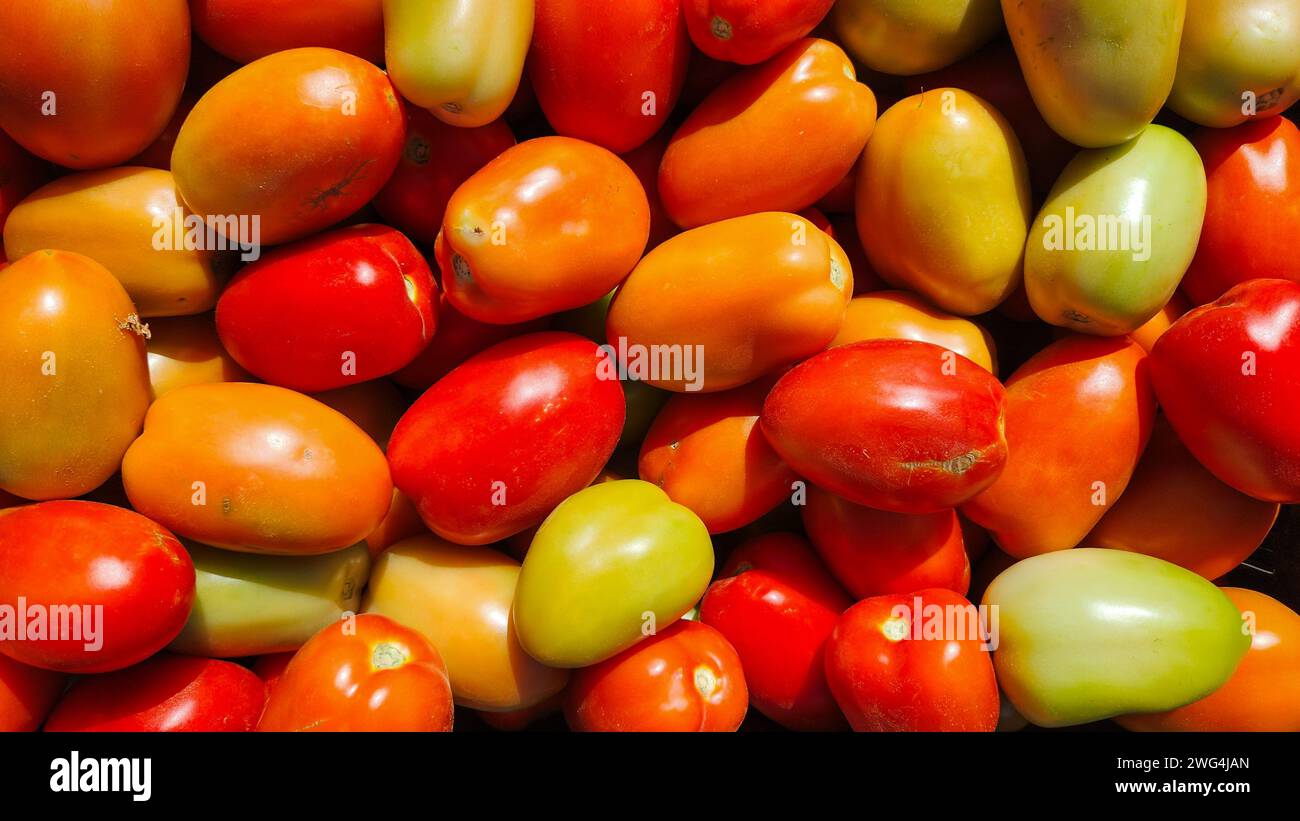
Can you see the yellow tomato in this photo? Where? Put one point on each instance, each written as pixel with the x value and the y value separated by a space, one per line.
pixel 185 350
pixel 914 36
pixel 901 315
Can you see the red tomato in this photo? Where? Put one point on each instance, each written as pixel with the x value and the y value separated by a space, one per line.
pixel 337 309
pixel 892 669
pixel 244 30
pixel 164 694
pixel 20 175
pixel 792 558
pixel 750 31
pixel 26 695
pixel 363 674
pixel 608 73
pixel 874 552
pixel 894 424
pixel 496 444
pixel 685 678
pixel 125 582
pixel 1228 377
pixel 1252 172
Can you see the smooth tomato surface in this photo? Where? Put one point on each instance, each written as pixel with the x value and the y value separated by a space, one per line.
pixel 245 30
pixel 750 31
pixel 27 694
pixel 185 350
pixel 902 315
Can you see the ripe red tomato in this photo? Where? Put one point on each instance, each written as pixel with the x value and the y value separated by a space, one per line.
pixel 685 678
pixel 26 695
pixel 364 674
pixel 125 585
pixel 164 694
pixel 750 31
pixel 337 309
pixel 891 670
pixel 496 444
pixel 792 558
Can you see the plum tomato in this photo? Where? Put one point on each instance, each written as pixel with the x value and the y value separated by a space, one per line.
pixel 750 31
pixel 27 694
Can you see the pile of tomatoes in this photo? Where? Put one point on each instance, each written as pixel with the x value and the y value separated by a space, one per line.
pixel 656 364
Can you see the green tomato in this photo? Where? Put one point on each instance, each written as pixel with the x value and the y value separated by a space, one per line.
pixel 1087 634
pixel 612 564
pixel 249 604
pixel 1116 234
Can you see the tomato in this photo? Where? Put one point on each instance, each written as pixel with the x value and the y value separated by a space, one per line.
pixel 1155 327
pixel 1088 634
pixel 1078 417
pixel 893 424
pixel 644 162
pixel 1260 696
pixel 20 175
pixel 270 667
pixel 775 137
pixel 247 604
pixel 402 522
pixel 373 406
pixel 750 31
pixel 364 674
pixel 534 422
pixel 895 664
pixel 89 587
pixel 1117 232
pixel 686 678
pixel 79 83
pixel 1253 173
pixel 460 599
pixel 76 380
pixel 1228 377
pixel 462 61
pixel 592 83
pixel 874 552
pixel 165 694
pixel 1099 70
pixel 901 315
pixel 436 159
pixel 782 284
pixel 289 144
pixel 953 231
pixel 27 695
pixel 906 37
pixel 630 562
pixel 256 468
pixel 1174 509
pixel 185 350
pixel 245 30
pixel 551 224
pixel 792 559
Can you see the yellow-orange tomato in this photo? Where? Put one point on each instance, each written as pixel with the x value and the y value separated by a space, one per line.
pixel 402 522
pixel 1261 696
pixel 91 84
pixel 128 220
pixel 185 350
pixel 708 453
pixel 374 406
pixel 551 224
pixel 901 315
pixel 1147 335
pixel 75 378
pixel 256 468
pixel 776 137
pixel 1176 510
pixel 460 598
pixel 299 139
pixel 740 298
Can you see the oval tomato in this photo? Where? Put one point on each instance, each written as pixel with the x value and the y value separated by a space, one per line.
pixel 245 30
pixel 27 694
pixel 750 31
pixel 902 315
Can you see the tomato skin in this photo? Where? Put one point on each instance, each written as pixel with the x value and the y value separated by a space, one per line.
pixel 1155 327
pixel 906 37
pixel 27 694
pixel 369 675
pixel 185 350
pixel 750 31
pixel 551 224
pixel 902 315
pixel 590 83
pixel 644 162
pixel 752 145
pixel 791 558
pixel 20 175
pixel 373 406
pixel 270 667
pixel 114 90
pixel 245 30
pixel 1228 377
pixel 275 140
pixel 164 694
pixel 894 424
pixel 84 554
pixel 909 684
pixel 535 421
pixel 645 688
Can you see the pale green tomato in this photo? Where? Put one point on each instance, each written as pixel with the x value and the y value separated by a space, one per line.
pixel 1088 634
pixel 1116 234
pixel 612 564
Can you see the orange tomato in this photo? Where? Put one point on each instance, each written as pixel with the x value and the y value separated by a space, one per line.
pixel 402 522
pixel 82 85
pixel 244 30
pixel 1147 335
pixel 27 694
pixel 185 350
pixel 776 137
pixel 256 468
pixel 551 224
pixel 901 315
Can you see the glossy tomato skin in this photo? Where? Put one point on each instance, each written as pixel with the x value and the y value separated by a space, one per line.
pixel 337 309
pixel 792 558
pixel 368 673
pixel 591 84
pixel 898 425
pixel 750 31
pixel 164 694
pixel 902 315
pixel 1228 377
pixel 245 30
pixel 685 678
pixel 27 694
pixel 889 674
pixel 535 422
pixel 86 554
pixel 113 89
